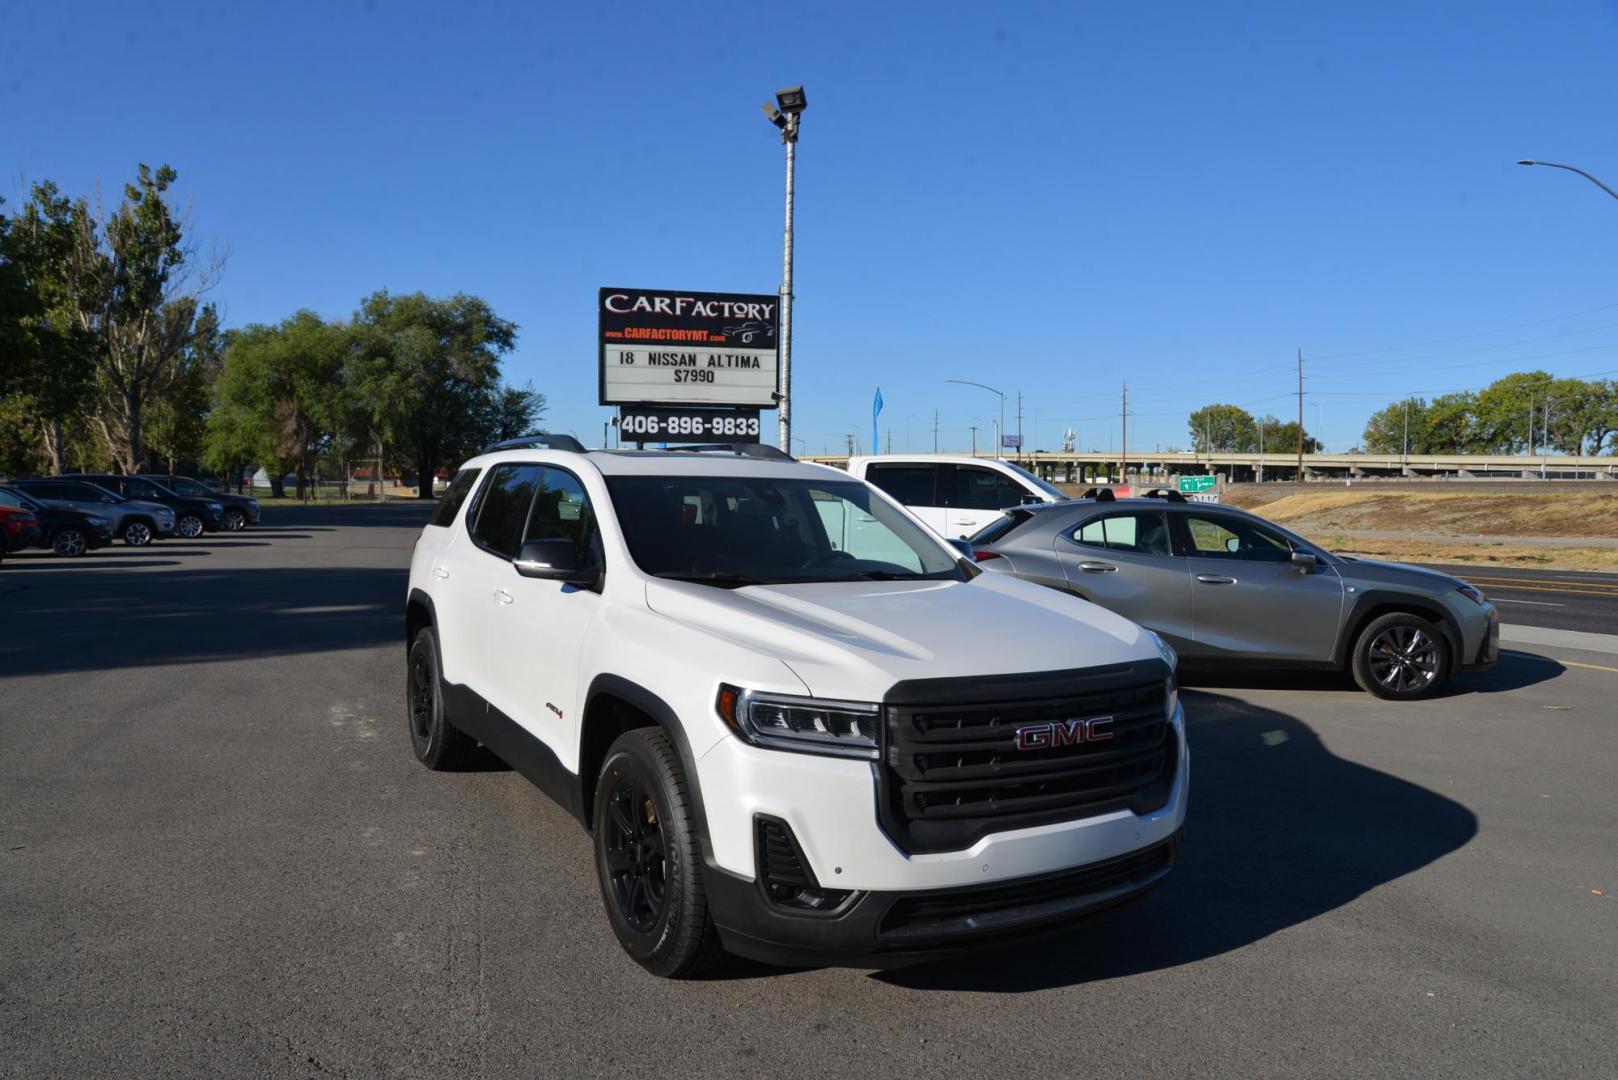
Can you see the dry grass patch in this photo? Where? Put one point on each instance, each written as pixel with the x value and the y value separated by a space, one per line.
pixel 1449 513
pixel 1494 553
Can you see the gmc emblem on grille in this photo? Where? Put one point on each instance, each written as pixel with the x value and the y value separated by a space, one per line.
pixel 1064 733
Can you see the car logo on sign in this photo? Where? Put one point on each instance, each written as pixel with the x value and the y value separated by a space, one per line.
pixel 1064 733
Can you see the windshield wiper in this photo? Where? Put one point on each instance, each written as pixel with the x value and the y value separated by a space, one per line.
pixel 716 578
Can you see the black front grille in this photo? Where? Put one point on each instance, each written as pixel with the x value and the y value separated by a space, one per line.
pixel 1013 905
pixel 953 772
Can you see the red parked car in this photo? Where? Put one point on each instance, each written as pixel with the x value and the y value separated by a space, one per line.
pixel 19 529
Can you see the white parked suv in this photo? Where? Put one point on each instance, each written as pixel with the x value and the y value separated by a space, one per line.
pixel 953 494
pixel 798 725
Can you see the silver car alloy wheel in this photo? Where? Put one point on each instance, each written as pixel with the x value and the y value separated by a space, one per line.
pixel 1404 659
pixel 137 534
pixel 190 527
pixel 235 520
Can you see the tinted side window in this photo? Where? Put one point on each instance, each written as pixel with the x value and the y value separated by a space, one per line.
pixel 449 503
pixel 1220 537
pixel 910 485
pixel 981 489
pixel 504 507
pixel 561 511
pixel 142 489
pixel 8 499
pixel 1143 533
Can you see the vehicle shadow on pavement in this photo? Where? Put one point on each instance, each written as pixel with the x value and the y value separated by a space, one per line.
pixel 1515 671
pixel 1280 831
pixel 89 619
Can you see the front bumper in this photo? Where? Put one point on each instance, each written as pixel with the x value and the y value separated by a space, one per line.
pixel 1487 653
pixel 891 929
pixel 902 906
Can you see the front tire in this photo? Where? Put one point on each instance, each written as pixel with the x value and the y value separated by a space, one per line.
pixel 234 520
pixel 438 744
pixel 1400 657
pixel 137 534
pixel 189 526
pixel 648 861
pixel 70 541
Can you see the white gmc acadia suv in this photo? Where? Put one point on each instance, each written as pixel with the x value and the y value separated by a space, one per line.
pixel 799 726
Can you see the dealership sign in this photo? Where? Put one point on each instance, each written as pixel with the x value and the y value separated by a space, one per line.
pixel 668 347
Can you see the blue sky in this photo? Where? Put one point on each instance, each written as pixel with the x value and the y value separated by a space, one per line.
pixel 1052 198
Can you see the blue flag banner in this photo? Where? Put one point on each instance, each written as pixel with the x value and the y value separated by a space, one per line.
pixel 876 411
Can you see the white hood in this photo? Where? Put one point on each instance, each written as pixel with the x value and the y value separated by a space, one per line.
pixel 854 640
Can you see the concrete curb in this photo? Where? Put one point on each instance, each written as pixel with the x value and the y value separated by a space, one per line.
pixel 1567 639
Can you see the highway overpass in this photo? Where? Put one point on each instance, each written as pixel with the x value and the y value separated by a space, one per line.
pixel 1101 466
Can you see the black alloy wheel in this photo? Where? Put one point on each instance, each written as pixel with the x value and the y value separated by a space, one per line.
pixel 234 520
pixel 636 854
pixel 648 859
pixel 70 541
pixel 438 743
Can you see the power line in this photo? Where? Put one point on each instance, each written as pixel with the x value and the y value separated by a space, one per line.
pixel 1465 337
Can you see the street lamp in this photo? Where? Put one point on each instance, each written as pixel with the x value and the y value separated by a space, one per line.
pixel 784 114
pixel 1571 168
pixel 1000 429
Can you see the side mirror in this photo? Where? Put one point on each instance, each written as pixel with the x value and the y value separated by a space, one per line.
pixel 1305 562
pixel 554 560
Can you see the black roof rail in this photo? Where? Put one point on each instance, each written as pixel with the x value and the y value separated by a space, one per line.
pixel 1099 494
pixel 740 449
pixel 1164 493
pixel 540 440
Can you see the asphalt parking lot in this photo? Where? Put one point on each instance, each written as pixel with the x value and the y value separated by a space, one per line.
pixel 218 857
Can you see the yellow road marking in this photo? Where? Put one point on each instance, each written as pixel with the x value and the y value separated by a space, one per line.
pixel 1592 667
pixel 1538 581
pixel 1491 586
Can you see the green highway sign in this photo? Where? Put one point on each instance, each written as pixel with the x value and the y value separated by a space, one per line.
pixel 1190 485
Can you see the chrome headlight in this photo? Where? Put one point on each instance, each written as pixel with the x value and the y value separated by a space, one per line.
pixel 804 724
pixel 216 507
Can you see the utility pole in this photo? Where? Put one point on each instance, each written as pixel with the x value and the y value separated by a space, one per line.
pixel 1261 426
pixel 1404 446
pixel 1300 416
pixel 890 439
pixel 1123 458
pixel 973 428
pixel 1019 424
pixel 1545 441
pixel 850 439
pixel 935 431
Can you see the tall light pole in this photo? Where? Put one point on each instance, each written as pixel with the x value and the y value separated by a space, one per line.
pixel 1573 169
pixel 784 114
pixel 1000 430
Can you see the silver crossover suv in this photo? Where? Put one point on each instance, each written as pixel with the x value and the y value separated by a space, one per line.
pixel 1226 587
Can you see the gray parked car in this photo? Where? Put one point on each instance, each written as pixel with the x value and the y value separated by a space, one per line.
pixel 136 522
pixel 1228 587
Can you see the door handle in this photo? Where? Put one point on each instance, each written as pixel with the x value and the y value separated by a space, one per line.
pixel 1216 579
pixel 440 572
pixel 1098 568
pixel 503 596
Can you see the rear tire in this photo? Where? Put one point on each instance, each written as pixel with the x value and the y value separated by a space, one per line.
pixel 648 860
pixel 438 744
pixel 234 520
pixel 70 541
pixel 1400 657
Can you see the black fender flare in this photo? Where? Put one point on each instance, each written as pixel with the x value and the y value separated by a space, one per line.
pixel 665 717
pixel 1427 608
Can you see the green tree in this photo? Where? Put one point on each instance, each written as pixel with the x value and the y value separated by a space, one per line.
pixel 1503 410
pixel 48 354
pixel 134 287
pixel 279 395
pixel 1223 428
pixel 426 369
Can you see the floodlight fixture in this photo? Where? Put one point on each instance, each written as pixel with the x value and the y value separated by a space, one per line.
pixel 792 100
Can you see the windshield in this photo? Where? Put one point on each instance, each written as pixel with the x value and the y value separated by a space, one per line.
pixel 733 531
pixel 1053 492
pixel 181 486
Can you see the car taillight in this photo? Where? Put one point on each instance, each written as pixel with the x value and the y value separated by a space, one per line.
pixel 979 555
pixel 16 523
